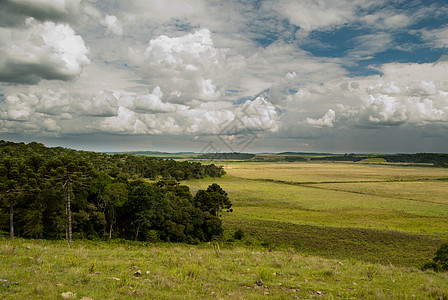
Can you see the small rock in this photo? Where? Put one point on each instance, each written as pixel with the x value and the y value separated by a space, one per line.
pixel 28 247
pixel 138 273
pixel 86 298
pixel 8 281
pixel 259 282
pixel 340 263
pixel 319 292
pixel 266 293
pixel 68 295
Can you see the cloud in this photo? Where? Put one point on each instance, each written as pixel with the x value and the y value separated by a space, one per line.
pixel 436 37
pixel 147 114
pixel 41 51
pixel 208 90
pixel 370 44
pixel 312 15
pixel 105 104
pixel 183 66
pixel 152 103
pixel 14 12
pixel 259 115
pixel 188 52
pixel 56 111
pixel 325 121
pixel 161 11
pixel 406 95
pixel 113 24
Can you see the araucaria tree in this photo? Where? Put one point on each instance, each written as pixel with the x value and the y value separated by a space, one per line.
pixel 69 173
pixel 45 192
pixel 16 179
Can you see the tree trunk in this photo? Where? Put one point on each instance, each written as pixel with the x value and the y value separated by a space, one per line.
pixel 136 233
pixel 111 221
pixel 11 219
pixel 110 231
pixel 69 214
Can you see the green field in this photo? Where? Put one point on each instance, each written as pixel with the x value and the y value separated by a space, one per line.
pixel 380 213
pixel 43 269
pixel 312 230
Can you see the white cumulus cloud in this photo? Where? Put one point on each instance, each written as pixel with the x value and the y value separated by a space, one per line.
pixel 41 51
pixel 113 24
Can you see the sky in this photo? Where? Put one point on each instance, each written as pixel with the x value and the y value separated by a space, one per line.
pixel 337 76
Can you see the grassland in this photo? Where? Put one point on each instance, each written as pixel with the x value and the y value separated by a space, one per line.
pixel 378 213
pixel 331 230
pixel 124 270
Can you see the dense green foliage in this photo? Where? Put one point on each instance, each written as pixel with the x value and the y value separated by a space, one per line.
pixel 438 159
pixel 230 155
pixel 294 158
pixel 49 192
pixel 129 165
pixel 345 157
pixel 440 261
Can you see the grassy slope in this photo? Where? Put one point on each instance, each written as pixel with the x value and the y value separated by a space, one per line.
pixel 33 269
pixel 332 230
pixel 385 214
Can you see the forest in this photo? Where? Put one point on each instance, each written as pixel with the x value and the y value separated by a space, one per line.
pixel 226 155
pixel 63 193
pixel 436 159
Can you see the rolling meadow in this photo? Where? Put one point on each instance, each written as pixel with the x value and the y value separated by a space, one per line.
pixel 310 230
pixel 374 212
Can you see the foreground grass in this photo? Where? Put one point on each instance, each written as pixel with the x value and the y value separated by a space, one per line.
pixel 37 269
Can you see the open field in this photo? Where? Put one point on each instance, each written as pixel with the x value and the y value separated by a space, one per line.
pixel 332 172
pixel 37 269
pixel 331 230
pixel 382 213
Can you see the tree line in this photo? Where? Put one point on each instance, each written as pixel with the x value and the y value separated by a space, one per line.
pixel 58 192
pixel 226 155
pixel 437 159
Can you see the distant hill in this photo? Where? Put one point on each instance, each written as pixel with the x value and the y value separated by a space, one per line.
pixel 304 153
pixel 231 155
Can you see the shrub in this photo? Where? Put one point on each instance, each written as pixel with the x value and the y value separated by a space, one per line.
pixel 440 261
pixel 239 234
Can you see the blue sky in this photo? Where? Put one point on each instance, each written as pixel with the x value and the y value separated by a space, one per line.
pixel 177 75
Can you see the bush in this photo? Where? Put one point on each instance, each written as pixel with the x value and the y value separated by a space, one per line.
pixel 238 235
pixel 440 261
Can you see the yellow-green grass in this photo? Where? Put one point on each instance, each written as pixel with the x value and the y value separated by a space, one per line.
pixel 33 269
pixel 419 191
pixel 340 198
pixel 330 207
pixel 331 172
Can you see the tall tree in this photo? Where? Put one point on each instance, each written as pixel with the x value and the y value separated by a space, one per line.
pixel 115 196
pixel 69 173
pixel 17 178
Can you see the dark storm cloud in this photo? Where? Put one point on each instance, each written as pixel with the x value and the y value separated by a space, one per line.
pixel 13 13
